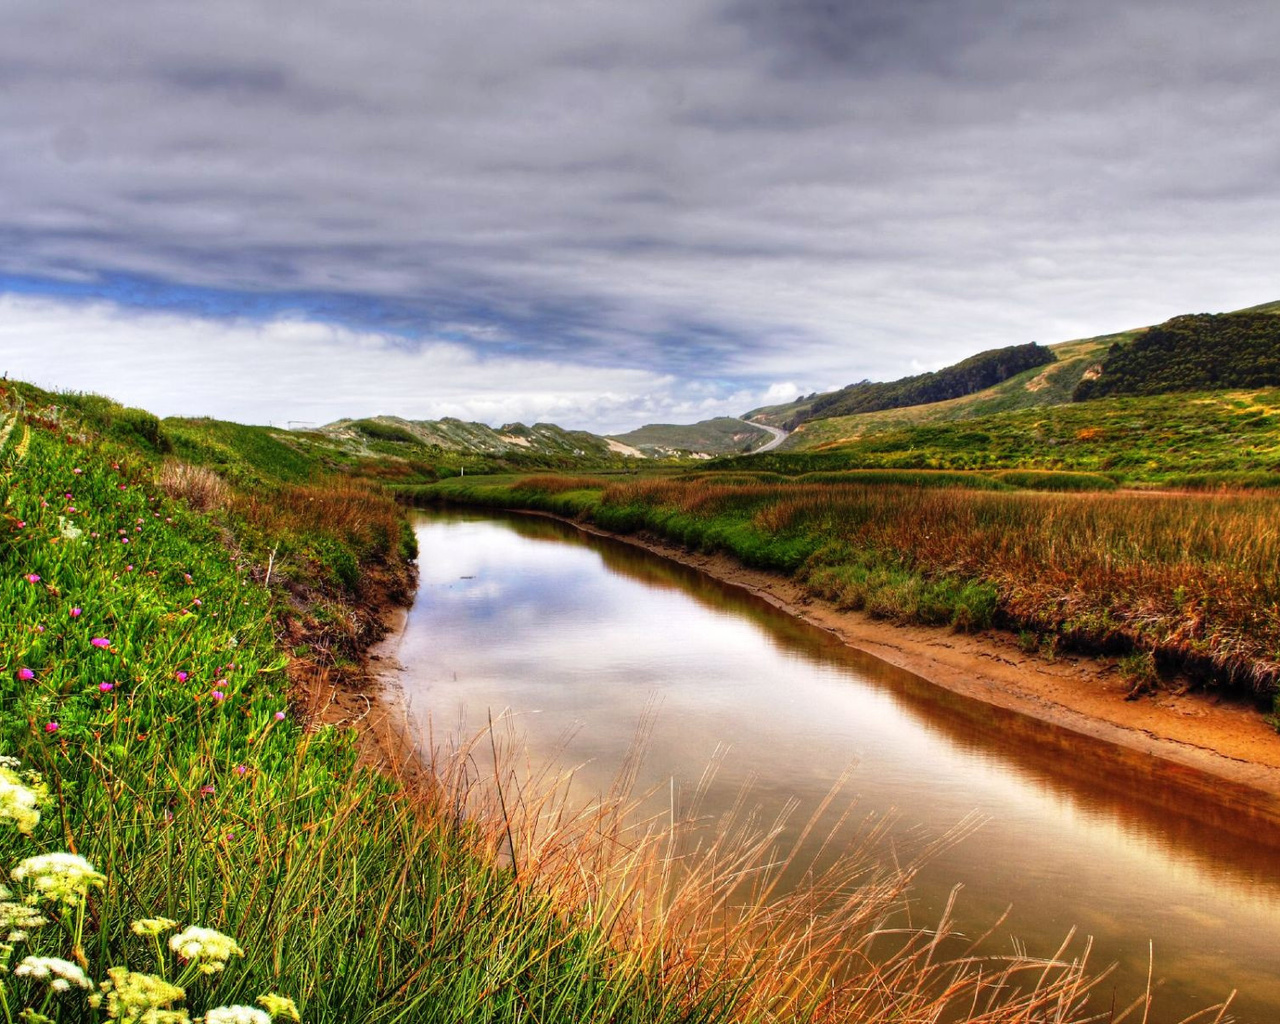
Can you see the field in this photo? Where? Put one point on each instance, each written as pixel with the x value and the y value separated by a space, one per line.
pixel 1174 584
pixel 1203 439
pixel 185 842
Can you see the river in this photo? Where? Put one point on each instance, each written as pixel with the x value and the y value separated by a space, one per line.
pixel 576 638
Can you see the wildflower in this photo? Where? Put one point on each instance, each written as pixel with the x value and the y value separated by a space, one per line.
pixel 152 926
pixel 33 577
pixel 17 919
pixel 279 716
pixel 77 471
pixel 131 995
pixel 106 687
pixel 21 523
pixel 240 769
pixel 26 674
pixel 128 568
pixel 280 1006
pixel 100 641
pixel 39 629
pixel 218 696
pixel 197 602
pixel 210 948
pixel 180 676
pixel 75 613
pixel 21 795
pixel 52 726
pixel 207 790
pixel 59 877
pixel 236 1015
pixel 60 974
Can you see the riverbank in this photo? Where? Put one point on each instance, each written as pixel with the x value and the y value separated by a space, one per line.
pixel 1207 739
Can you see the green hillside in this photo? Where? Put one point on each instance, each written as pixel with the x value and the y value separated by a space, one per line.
pixel 1193 353
pixel 967 377
pixel 722 436
pixel 1197 439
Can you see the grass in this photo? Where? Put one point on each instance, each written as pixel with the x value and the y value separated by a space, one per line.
pixel 148 665
pixel 1152 440
pixel 1186 580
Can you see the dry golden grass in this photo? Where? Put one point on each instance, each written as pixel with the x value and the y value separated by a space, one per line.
pixel 786 923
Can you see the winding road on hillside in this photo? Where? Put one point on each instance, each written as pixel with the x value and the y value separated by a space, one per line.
pixel 778 436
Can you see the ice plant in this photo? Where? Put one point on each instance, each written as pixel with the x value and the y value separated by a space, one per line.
pixel 205 947
pixel 218 696
pixel 106 687
pixel 33 577
pixel 75 613
pixel 52 726
pixel 25 673
pixel 180 676
pixel 279 716
pixel 59 877
pixel 100 641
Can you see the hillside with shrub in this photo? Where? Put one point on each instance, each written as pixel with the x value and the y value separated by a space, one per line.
pixel 967 377
pixel 1200 352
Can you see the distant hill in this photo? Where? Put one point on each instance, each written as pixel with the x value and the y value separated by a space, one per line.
pixel 1200 352
pixel 546 444
pixel 543 443
pixel 977 373
pixel 970 376
pixel 722 436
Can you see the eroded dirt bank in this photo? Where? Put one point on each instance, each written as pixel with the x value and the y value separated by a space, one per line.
pixel 1209 742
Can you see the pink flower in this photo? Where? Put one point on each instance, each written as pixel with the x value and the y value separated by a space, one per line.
pixel 197 602
pixel 100 641
pixel 218 696
pixel 279 716
pixel 33 577
pixel 51 727
pixel 75 613
pixel 39 629
pixel 68 495
pixel 206 790
pixel 241 769
pixel 124 540
pixel 106 687
pixel 181 676
pixel 21 523
pixel 25 673
pixel 128 568
pixel 77 472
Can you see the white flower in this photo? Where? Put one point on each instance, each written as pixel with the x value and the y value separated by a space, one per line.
pixel 141 997
pixel 152 926
pixel 21 795
pixel 61 877
pixel 61 974
pixel 211 948
pixel 237 1015
pixel 16 919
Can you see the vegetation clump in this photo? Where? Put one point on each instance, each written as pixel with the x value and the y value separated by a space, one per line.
pixel 1200 352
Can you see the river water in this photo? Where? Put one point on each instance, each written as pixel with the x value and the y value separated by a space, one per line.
pixel 576 639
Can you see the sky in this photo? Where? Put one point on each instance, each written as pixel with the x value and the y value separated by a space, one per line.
pixel 604 213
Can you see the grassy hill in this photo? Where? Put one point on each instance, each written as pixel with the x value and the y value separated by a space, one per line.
pixel 722 436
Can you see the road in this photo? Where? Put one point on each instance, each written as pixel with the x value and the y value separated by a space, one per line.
pixel 778 436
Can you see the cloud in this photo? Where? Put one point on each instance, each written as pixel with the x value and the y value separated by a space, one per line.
pixel 733 193
pixel 287 370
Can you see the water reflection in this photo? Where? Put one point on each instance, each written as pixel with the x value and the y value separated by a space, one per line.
pixel 578 635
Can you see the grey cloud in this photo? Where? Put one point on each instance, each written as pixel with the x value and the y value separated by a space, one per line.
pixel 719 190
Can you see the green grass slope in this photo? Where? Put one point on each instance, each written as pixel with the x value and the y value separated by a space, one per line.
pixel 721 436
